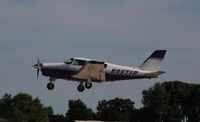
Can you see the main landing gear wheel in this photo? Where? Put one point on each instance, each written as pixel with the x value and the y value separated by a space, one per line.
pixel 88 85
pixel 50 86
pixel 81 87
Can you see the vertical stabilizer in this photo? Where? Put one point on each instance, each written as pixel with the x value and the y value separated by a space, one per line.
pixel 152 63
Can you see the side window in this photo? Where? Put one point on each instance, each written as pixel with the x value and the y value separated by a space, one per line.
pixel 75 62
pixel 82 62
pixel 79 62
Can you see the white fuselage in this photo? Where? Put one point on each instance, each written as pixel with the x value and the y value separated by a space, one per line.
pixel 113 72
pixel 88 70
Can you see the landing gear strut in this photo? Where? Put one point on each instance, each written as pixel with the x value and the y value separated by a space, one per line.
pixel 50 86
pixel 88 85
pixel 81 87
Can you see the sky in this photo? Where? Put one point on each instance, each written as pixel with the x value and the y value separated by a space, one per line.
pixel 117 31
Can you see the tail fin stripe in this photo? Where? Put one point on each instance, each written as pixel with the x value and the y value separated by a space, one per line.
pixel 160 54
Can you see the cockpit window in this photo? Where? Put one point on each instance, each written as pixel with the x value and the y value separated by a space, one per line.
pixel 69 61
pixel 79 62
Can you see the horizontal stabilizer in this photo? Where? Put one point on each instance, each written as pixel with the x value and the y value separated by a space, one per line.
pixel 154 74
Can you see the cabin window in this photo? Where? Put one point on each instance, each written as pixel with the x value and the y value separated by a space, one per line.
pixel 79 62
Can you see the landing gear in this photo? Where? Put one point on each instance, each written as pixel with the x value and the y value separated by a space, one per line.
pixel 50 86
pixel 81 87
pixel 88 85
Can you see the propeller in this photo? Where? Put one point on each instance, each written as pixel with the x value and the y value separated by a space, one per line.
pixel 38 66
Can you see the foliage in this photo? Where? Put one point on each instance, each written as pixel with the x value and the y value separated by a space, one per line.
pixel 57 118
pixel 6 106
pixel 172 102
pixel 117 109
pixel 79 111
pixel 49 110
pixel 23 108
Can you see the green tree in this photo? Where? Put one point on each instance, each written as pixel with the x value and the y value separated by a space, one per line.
pixel 57 118
pixel 191 104
pixel 49 110
pixel 27 109
pixel 173 101
pixel 23 108
pixel 163 101
pixel 6 106
pixel 79 111
pixel 144 114
pixel 117 109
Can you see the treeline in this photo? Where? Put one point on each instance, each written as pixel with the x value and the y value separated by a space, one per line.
pixel 23 108
pixel 172 101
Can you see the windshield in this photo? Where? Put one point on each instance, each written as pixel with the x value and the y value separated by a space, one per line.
pixel 69 61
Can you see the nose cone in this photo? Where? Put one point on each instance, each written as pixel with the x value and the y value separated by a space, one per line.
pixel 35 66
pixel 38 66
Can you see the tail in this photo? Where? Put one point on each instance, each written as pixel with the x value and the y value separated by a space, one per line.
pixel 152 63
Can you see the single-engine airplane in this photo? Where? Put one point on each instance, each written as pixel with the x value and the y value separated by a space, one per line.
pixel 86 71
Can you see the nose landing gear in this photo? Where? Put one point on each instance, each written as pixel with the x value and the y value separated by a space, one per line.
pixel 50 86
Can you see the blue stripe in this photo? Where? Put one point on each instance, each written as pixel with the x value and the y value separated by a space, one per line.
pixel 157 54
pixel 114 77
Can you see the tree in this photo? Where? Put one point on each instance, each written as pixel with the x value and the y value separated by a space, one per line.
pixel 49 110
pixel 144 114
pixel 191 104
pixel 79 111
pixel 57 118
pixel 173 101
pixel 162 101
pixel 23 108
pixel 117 109
pixel 27 109
pixel 6 104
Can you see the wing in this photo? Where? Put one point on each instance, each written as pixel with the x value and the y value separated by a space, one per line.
pixel 93 70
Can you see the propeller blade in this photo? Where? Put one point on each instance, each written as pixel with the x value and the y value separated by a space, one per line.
pixel 38 66
pixel 38 61
pixel 38 73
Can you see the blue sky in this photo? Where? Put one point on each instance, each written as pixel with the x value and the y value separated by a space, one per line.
pixel 122 32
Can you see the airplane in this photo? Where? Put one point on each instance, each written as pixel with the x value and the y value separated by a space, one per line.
pixel 86 71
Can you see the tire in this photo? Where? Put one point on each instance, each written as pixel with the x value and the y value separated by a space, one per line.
pixel 50 86
pixel 80 88
pixel 88 85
